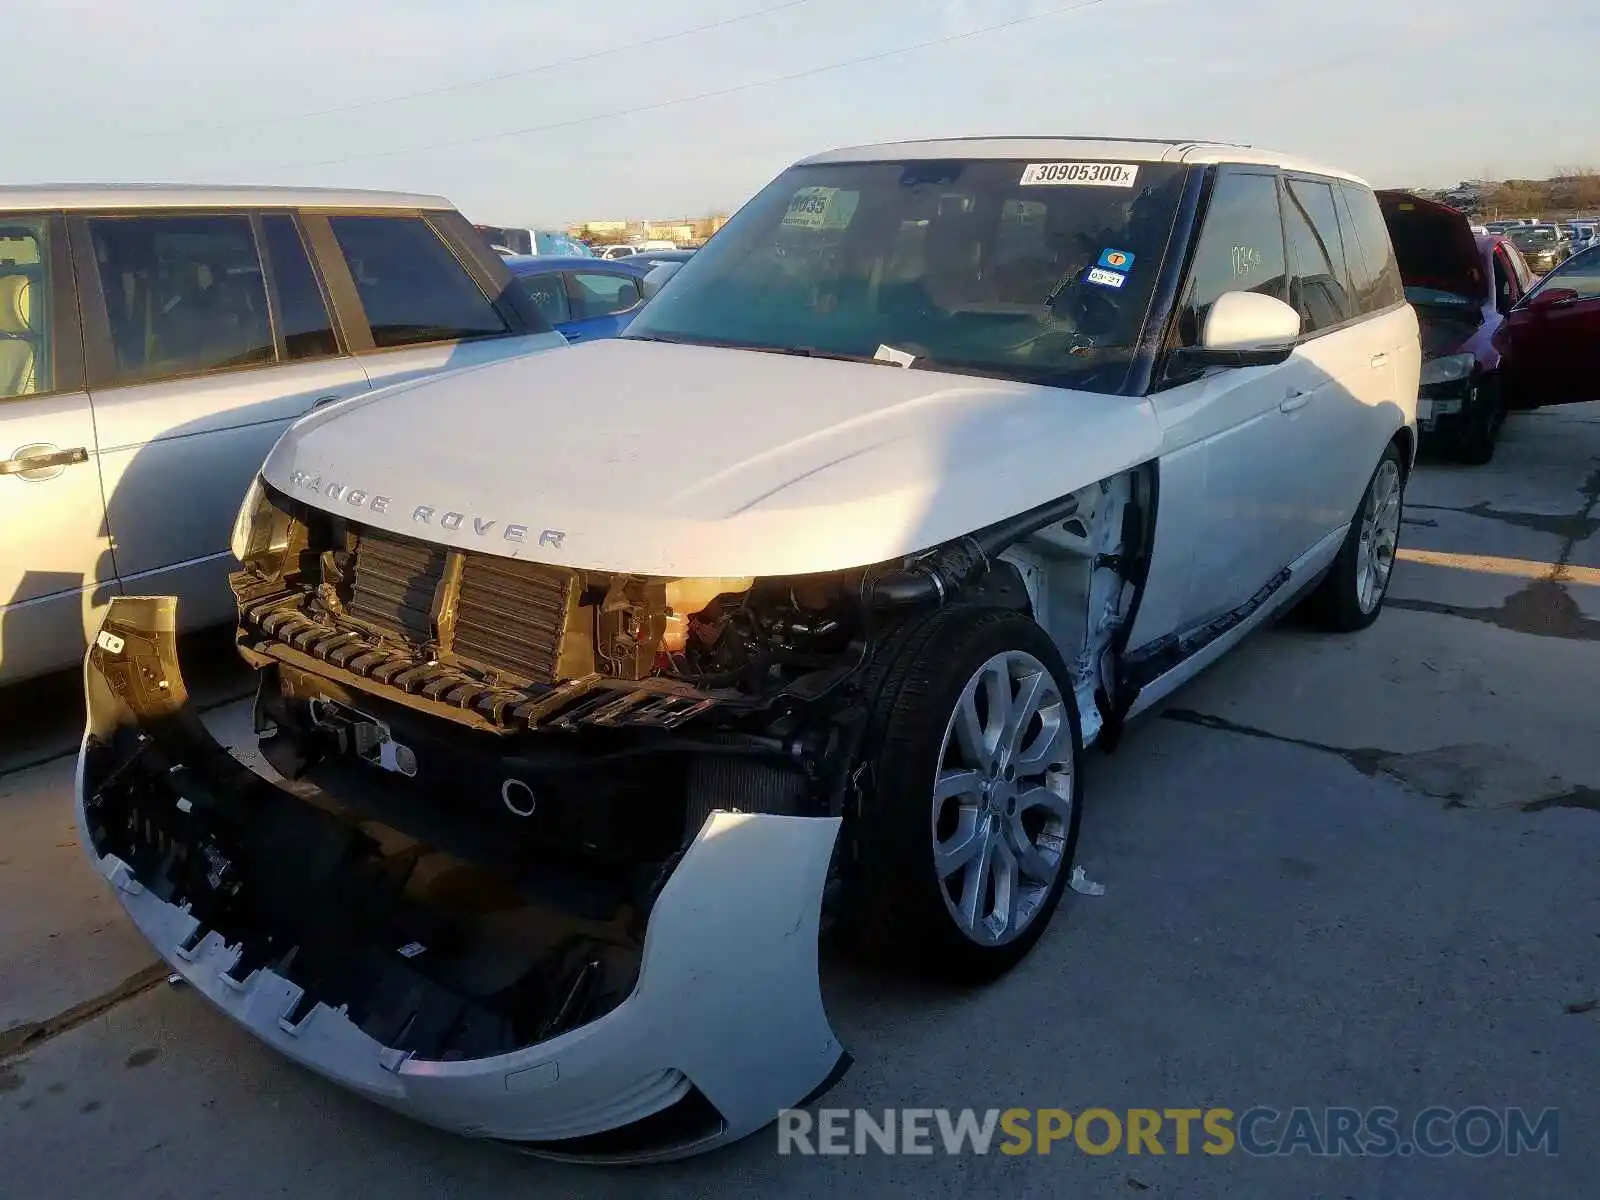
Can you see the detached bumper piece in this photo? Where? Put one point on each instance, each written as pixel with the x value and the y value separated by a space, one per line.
pixel 275 627
pixel 432 986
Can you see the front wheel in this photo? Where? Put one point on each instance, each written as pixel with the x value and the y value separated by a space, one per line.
pixel 1478 429
pixel 1351 595
pixel 965 840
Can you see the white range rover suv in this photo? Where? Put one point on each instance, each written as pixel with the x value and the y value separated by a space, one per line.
pixel 937 465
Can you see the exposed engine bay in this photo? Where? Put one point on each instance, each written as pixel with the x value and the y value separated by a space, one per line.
pixel 492 769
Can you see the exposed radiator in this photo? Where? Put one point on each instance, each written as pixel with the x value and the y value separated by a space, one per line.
pixel 510 615
pixel 394 585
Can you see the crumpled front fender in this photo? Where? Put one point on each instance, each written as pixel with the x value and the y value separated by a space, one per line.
pixel 725 1025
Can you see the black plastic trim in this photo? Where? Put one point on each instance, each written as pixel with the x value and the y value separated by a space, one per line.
pixel 688 1121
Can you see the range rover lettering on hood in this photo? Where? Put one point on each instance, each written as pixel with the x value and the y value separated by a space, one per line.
pixel 425 514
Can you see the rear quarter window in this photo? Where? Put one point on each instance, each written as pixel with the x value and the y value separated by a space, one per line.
pixel 1374 271
pixel 411 285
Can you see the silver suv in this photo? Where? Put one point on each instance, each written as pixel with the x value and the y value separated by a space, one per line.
pixel 154 342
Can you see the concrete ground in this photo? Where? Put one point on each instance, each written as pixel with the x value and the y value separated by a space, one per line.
pixel 1339 871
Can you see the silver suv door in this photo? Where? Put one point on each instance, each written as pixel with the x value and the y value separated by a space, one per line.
pixel 1232 440
pixel 55 565
pixel 207 334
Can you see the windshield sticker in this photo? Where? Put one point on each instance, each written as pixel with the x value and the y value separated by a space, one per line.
pixel 1080 174
pixel 1104 278
pixel 1116 260
pixel 821 208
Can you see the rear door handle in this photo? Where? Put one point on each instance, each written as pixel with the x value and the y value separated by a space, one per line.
pixel 1380 360
pixel 43 462
pixel 1294 401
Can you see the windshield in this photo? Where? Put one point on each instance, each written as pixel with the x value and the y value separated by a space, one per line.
pixel 1035 272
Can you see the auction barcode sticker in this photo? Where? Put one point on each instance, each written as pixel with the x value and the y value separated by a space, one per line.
pixel 1080 174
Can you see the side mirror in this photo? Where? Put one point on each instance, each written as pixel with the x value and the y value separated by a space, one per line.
pixel 1245 329
pixel 657 278
pixel 1552 297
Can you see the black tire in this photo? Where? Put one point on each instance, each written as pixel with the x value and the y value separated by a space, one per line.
pixel 898 915
pixel 1478 430
pixel 1335 605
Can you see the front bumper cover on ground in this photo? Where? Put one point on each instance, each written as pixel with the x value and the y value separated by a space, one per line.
pixel 724 1027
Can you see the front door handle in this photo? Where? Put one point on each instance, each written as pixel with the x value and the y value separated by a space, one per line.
pixel 43 459
pixel 1294 401
pixel 1380 359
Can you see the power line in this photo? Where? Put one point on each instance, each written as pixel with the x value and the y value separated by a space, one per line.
pixel 727 91
pixel 468 84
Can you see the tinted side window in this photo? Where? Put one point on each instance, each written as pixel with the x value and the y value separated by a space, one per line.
pixel 25 341
pixel 1580 274
pixel 548 293
pixel 1374 272
pixel 1505 294
pixel 1240 249
pixel 302 311
pixel 184 295
pixel 596 295
pixel 412 287
pixel 1318 285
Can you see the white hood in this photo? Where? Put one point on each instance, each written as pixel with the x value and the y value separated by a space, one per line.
pixel 660 459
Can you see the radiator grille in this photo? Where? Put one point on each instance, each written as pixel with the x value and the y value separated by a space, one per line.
pixel 394 585
pixel 510 615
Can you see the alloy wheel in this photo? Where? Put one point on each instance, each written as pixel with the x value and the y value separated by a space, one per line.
pixel 1002 799
pixel 1380 535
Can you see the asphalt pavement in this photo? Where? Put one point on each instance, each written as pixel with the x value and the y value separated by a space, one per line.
pixel 1356 872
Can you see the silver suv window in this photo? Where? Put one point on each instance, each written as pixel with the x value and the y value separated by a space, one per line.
pixel 25 341
pixel 184 295
pixel 411 285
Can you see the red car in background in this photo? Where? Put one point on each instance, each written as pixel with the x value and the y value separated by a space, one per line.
pixel 1550 344
pixel 1493 338
pixel 1463 286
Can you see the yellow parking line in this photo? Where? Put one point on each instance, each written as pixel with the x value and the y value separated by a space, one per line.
pixel 1489 564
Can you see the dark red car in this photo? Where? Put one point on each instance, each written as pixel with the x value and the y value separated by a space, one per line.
pixel 1493 338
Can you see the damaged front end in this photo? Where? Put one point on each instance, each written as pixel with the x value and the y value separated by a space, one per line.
pixel 646 998
pixel 545 852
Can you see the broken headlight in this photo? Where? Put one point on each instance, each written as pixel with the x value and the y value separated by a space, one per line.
pixel 1447 369
pixel 261 530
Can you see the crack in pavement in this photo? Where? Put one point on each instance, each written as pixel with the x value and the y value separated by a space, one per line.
pixel 1367 759
pixel 1405 768
pixel 19 1039
pixel 1544 608
pixel 1571 527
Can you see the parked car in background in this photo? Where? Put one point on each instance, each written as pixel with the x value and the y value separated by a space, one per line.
pixel 617 251
pixel 581 298
pixel 1543 246
pixel 654 258
pixel 810 589
pixel 1551 343
pixel 505 241
pixel 1583 234
pixel 1462 287
pixel 155 341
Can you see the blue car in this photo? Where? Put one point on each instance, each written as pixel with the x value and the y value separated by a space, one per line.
pixel 583 298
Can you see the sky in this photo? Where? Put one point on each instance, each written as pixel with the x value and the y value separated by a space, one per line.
pixel 537 112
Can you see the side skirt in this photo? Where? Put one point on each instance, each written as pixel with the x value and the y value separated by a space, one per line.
pixel 1173 662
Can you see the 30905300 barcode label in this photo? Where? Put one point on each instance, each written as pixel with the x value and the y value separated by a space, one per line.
pixel 1080 174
